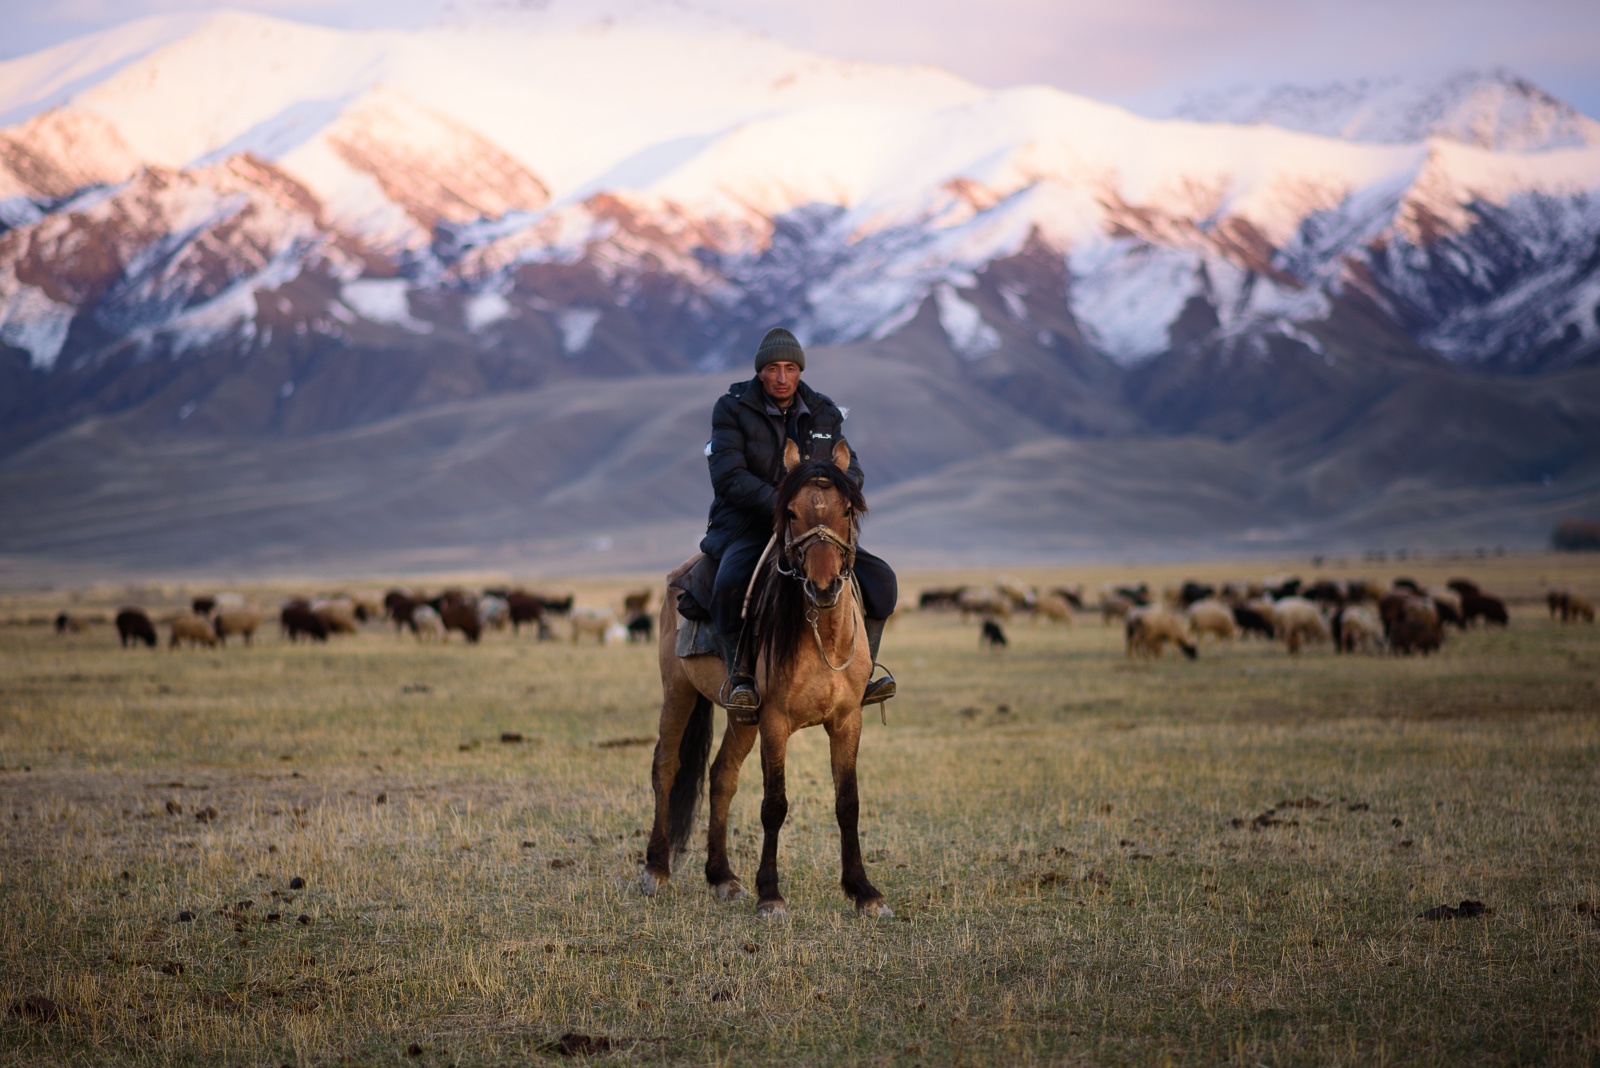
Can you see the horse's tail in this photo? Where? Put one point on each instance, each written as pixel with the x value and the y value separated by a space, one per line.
pixel 694 752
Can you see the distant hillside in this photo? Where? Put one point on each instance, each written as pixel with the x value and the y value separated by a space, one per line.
pixel 268 289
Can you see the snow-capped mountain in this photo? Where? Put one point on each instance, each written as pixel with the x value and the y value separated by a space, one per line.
pixel 190 203
pixel 1496 110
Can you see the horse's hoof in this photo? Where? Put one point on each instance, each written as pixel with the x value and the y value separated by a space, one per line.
pixel 773 910
pixel 875 910
pixel 650 883
pixel 732 890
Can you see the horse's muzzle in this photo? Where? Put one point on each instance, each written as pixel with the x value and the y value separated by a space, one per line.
pixel 825 598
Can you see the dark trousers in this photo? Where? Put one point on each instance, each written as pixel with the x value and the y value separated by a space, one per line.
pixel 879 590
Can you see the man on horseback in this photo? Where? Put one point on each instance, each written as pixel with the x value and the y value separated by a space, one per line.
pixel 749 427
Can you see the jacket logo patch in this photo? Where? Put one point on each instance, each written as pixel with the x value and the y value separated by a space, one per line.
pixel 828 436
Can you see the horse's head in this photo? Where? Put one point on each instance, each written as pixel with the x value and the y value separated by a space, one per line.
pixel 818 512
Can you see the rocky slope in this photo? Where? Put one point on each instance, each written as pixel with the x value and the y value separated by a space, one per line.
pixel 244 230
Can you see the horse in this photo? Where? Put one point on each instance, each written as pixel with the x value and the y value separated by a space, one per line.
pixel 812 668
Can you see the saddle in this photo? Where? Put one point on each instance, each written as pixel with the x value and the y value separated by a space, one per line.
pixel 693 579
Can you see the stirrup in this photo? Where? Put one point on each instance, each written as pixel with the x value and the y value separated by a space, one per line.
pixel 879 690
pixel 740 698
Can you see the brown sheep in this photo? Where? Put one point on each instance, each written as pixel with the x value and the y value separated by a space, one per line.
pixel 1415 627
pixel 1297 621
pixel 1578 608
pixel 1149 629
pixel 1054 607
pixel 591 622
pixel 241 621
pixel 134 626
pixel 1212 617
pixel 338 615
pixel 196 630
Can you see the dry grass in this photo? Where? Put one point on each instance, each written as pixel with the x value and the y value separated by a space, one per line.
pixel 1054 826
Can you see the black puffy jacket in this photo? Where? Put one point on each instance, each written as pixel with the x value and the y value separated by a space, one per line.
pixel 746 457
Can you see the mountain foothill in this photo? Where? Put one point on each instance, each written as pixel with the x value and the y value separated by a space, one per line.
pixel 279 296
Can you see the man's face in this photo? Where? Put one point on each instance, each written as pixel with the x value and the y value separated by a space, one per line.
pixel 780 379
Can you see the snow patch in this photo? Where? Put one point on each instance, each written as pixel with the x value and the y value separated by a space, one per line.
pixel 576 325
pixel 383 300
pixel 33 322
pixel 484 309
pixel 1125 294
pixel 964 325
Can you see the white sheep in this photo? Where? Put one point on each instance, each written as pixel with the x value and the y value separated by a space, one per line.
pixel 1148 630
pixel 1296 621
pixel 1214 618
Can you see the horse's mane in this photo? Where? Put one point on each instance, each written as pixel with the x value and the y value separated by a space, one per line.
pixel 778 603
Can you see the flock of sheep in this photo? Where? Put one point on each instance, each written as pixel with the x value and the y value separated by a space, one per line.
pixel 212 620
pixel 1352 616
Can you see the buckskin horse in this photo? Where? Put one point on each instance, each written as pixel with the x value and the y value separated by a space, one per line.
pixel 811 669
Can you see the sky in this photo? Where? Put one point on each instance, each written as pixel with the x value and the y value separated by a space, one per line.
pixel 1142 54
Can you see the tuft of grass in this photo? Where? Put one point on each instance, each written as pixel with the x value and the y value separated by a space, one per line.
pixel 1092 860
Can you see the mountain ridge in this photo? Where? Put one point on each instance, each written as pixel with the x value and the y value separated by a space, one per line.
pixel 397 223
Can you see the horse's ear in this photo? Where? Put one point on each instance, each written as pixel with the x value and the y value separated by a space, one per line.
pixel 791 455
pixel 841 455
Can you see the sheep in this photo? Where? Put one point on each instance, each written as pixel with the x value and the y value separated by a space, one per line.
pixel 67 623
pixel 1054 607
pixel 1479 605
pixel 1254 617
pixel 1019 597
pixel 1325 592
pixel 494 612
pixel 1073 595
pixel 1149 628
pixel 1414 627
pixel 1577 608
pixel 526 608
pixel 1357 628
pixel 992 635
pixel 425 623
pixel 554 604
pixel 642 628
pixel 1114 606
pixel 591 621
pixel 1449 605
pixel 1194 592
pixel 1556 598
pixel 984 603
pixel 1280 586
pixel 297 620
pixel 133 626
pixel 1208 616
pixel 1463 587
pixel 636 602
pixel 338 615
pixel 399 604
pixel 457 615
pixel 241 621
pixel 940 599
pixel 196 630
pixel 203 605
pixel 1296 621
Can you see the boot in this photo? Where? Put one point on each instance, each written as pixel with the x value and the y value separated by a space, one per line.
pixel 878 690
pixel 739 689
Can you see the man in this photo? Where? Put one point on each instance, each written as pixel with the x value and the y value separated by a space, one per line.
pixel 749 426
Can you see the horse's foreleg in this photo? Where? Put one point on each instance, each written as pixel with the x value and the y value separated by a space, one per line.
pixel 844 742
pixel 774 809
pixel 736 744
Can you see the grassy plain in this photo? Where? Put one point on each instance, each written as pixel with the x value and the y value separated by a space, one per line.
pixel 1092 861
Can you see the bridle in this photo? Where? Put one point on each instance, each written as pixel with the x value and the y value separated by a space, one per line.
pixel 794 555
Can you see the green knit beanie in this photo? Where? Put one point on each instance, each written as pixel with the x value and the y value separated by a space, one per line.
pixel 779 344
